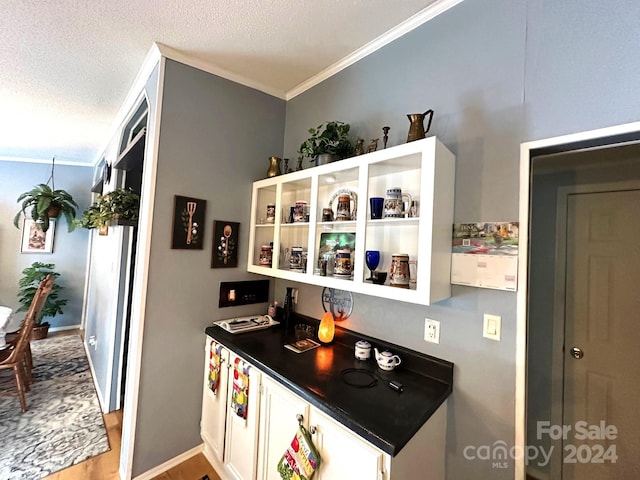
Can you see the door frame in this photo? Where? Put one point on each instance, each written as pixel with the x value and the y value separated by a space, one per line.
pixel 613 135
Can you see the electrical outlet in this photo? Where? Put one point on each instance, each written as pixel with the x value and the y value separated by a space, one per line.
pixel 431 330
pixel 294 294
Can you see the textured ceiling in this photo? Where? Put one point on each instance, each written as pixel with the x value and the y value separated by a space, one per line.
pixel 66 66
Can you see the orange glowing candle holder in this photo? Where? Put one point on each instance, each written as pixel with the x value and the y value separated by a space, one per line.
pixel 327 328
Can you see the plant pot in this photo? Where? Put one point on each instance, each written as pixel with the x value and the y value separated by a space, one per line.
pixel 40 331
pixel 53 211
pixel 325 158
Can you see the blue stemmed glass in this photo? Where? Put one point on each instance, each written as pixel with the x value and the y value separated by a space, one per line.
pixel 372 258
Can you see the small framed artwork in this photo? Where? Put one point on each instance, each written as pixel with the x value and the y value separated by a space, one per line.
pixel 188 223
pixel 225 244
pixel 34 240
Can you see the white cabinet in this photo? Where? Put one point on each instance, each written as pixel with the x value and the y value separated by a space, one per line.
pixel 280 410
pixel 214 405
pixel 344 454
pixel 425 169
pixel 241 439
pixel 230 437
pixel 248 449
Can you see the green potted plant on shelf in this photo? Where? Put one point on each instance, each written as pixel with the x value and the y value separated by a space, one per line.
pixel 96 215
pixel 42 203
pixel 118 204
pixel 31 278
pixel 123 203
pixel 328 142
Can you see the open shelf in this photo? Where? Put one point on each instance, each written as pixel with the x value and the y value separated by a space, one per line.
pixel 424 169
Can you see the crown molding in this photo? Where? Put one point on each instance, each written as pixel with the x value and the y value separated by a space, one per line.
pixel 403 28
pixel 59 161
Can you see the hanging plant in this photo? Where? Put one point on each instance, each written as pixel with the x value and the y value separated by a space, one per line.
pixel 44 202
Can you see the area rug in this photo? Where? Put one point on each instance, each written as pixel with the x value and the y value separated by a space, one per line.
pixel 64 423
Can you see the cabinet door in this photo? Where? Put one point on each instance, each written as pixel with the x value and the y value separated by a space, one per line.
pixel 214 405
pixel 344 454
pixel 278 423
pixel 241 446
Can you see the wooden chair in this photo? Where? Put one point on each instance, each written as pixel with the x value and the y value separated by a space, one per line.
pixel 12 337
pixel 14 358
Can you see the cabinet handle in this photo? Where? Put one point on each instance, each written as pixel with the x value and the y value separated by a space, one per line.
pixel 299 417
pixel 313 429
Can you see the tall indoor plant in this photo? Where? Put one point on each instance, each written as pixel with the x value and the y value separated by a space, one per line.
pixel 43 202
pixel 328 142
pixel 31 278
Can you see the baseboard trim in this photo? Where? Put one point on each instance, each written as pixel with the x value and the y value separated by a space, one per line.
pixel 66 327
pixel 169 464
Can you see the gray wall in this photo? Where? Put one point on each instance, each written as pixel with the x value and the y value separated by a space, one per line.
pixel 215 137
pixel 497 73
pixel 69 249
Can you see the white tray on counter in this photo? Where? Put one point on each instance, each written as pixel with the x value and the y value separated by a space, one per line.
pixel 246 324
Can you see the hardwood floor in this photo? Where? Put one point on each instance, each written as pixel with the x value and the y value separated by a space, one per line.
pixel 105 466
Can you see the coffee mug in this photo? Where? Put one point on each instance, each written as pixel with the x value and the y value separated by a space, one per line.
pixel 343 263
pixel 393 204
pixel 266 254
pixel 343 212
pixel 376 204
pixel 399 274
pixel 295 260
pixel 300 211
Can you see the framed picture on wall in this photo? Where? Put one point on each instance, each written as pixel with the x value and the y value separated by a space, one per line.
pixel 188 223
pixel 225 244
pixel 34 240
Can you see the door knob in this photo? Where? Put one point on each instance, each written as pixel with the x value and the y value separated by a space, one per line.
pixel 577 353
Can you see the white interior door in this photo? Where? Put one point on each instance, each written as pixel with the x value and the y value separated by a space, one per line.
pixel 602 335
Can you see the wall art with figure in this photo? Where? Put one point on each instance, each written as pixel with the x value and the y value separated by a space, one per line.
pixel 188 223
pixel 34 240
pixel 225 244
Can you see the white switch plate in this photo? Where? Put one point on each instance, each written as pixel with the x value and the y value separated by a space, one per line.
pixel 492 327
pixel 431 330
pixel 294 294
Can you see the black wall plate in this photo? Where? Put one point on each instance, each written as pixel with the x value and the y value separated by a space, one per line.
pixel 246 292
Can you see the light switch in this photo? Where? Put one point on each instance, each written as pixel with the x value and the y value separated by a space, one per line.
pixel 492 327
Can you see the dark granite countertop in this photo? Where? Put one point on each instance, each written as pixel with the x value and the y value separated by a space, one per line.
pixel 386 418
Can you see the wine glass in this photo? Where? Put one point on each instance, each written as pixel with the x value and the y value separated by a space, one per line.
pixel 372 258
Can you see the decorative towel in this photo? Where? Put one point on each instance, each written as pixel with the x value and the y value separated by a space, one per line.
pixel 240 395
pixel 214 366
pixel 301 459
